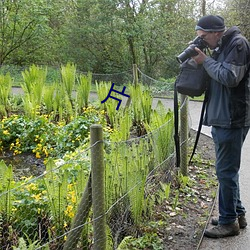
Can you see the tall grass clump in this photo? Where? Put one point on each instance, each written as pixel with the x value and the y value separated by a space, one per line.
pixel 127 167
pixel 83 91
pixel 68 74
pixel 5 90
pixel 161 132
pixel 48 98
pixel 110 105
pixel 141 105
pixel 33 85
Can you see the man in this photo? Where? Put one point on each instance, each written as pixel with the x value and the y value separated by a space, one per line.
pixel 228 112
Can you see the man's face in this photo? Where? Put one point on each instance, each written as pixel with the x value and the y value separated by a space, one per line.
pixel 211 38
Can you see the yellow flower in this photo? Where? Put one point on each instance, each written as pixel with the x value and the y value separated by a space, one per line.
pixel 37 196
pixel 31 187
pixel 69 211
pixel 38 156
pixel 45 151
pixel 14 209
pixel 6 132
pixel 73 199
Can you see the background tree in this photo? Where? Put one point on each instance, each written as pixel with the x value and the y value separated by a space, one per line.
pixel 103 36
pixel 237 12
pixel 21 26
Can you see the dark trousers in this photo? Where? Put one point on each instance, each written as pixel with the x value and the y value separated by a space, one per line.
pixel 228 145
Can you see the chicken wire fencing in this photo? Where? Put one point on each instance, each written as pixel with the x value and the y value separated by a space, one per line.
pixel 72 206
pixel 56 210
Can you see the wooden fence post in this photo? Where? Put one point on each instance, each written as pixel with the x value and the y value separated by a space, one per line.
pixel 184 135
pixel 80 218
pixel 135 74
pixel 98 194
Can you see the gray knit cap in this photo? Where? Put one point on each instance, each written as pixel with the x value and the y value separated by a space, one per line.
pixel 210 23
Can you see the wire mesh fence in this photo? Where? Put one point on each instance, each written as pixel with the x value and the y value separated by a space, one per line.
pixel 46 210
pixel 55 210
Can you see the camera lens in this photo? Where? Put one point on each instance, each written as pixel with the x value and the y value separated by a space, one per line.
pixel 187 53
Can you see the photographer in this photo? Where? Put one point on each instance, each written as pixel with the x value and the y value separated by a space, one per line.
pixel 228 112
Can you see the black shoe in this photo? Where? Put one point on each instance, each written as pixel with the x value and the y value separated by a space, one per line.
pixel 221 231
pixel 241 219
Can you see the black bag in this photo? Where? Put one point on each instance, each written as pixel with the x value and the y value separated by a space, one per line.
pixel 192 80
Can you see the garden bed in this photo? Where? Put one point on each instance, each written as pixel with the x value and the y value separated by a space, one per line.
pixel 178 222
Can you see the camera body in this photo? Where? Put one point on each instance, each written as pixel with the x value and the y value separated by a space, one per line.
pixel 190 51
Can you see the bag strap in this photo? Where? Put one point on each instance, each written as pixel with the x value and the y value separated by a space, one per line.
pixel 176 126
pixel 199 127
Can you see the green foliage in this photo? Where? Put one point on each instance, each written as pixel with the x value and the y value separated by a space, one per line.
pixel 147 241
pixel 57 188
pixel 141 103
pixel 164 192
pixel 122 126
pixel 5 90
pixel 126 171
pixel 34 81
pixel 103 36
pixel 110 105
pixel 23 245
pixel 161 126
pixel 68 74
pixel 128 161
pixel 83 91
pixel 48 98
pixel 43 137
pixel 30 206
pixel 23 25
pixel 6 184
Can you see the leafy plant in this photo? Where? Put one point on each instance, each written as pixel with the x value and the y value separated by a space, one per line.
pixel 34 81
pixel 5 90
pixel 147 241
pixel 48 98
pixel 6 184
pixel 110 105
pixel 22 245
pixel 30 208
pixel 68 74
pixel 141 103
pixel 164 191
pixel 83 91
pixel 161 126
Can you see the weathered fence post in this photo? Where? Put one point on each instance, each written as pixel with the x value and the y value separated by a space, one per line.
pixel 135 74
pixel 135 82
pixel 98 195
pixel 80 218
pixel 184 135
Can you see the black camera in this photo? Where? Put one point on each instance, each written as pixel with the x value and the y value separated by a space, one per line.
pixel 190 51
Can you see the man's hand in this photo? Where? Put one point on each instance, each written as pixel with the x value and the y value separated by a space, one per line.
pixel 200 58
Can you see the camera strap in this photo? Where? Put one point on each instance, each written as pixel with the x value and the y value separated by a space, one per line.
pixel 199 127
pixel 176 126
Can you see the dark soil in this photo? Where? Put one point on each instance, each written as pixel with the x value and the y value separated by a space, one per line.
pixel 25 164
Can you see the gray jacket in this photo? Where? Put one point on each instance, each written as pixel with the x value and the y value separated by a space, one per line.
pixel 228 103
